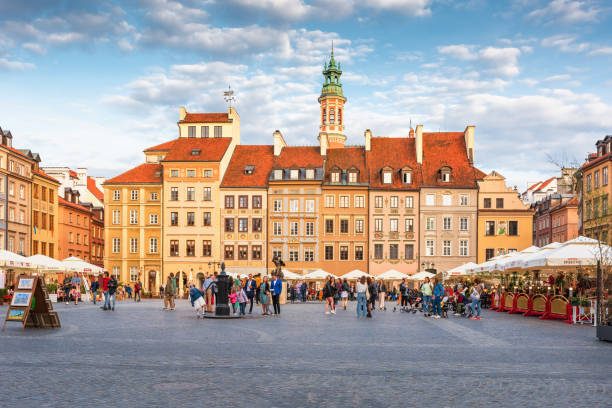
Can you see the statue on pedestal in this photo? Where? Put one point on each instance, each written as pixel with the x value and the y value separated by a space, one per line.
pixel 278 265
pixel 224 284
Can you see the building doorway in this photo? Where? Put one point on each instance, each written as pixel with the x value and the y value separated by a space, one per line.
pixel 153 282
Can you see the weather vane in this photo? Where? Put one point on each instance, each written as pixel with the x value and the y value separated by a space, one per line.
pixel 229 96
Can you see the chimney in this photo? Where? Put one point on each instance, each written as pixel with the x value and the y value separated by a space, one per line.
pixel 279 142
pixel 411 134
pixel 469 143
pixel 82 176
pixel 323 143
pixel 368 140
pixel 182 113
pixel 419 144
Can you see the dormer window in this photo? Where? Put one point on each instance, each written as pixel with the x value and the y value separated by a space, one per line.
pixel 294 174
pixel 387 175
pixel 310 173
pixel 406 175
pixel 352 177
pixel 196 152
pixel 335 177
pixel 278 174
pixel 249 169
pixel 445 174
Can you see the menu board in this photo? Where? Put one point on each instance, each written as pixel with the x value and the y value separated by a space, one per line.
pixel 31 306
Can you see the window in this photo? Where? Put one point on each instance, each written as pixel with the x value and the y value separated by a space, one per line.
pixel 293 228
pixel 335 177
pixel 190 219
pixel 79 219
pixel 499 203
pixel 294 254
pixel 207 194
pixel 344 226
pixel 378 202
pixel 358 253
pixel 133 273
pixel 116 217
pixel 116 195
pixel 513 228
pixel 133 217
pixel 310 205
pixel 596 179
pixel 204 132
pixel 229 252
pixel 294 174
pixel 407 177
pixel 206 248
pixel 153 196
pixel 378 225
pixel 173 193
pixel 430 199
pixel 446 221
pixel 359 201
pixel 310 229
pixel 489 253
pixel 256 224
pixel 257 201
pixel 463 247
pixel 463 224
pixel 174 173
pixel 51 223
pixel 445 175
pixel 229 201
pixel 387 177
pixel 447 200
pixel 229 225
pixel 22 216
pixel 207 173
pixel 174 218
pixel 358 226
pixel 604 176
pixel 133 245
pixel 393 225
pixel 329 253
pixel 134 195
pixel 191 173
pixel 329 226
pixel 604 206
pixel 78 241
pixel 378 251
pixel 308 255
pixel 294 206
pixel 243 252
pixel 35 218
pixel 409 224
pixel 310 173
pixel 22 192
pixel 393 202
pixel 278 174
pixel 332 116
pixel 243 201
pixel 329 201
pixel 153 245
pixel 191 131
pixel 487 203
pixel 243 224
pixel 344 250
pixel 277 228
pixel 393 251
pixel 409 202
pixel 409 251
pixel 11 215
pixel 352 177
pixel 219 133
pixel 12 189
pixel 430 224
pixel 277 205
pixel 207 219
pixel 446 248
pixel 324 115
pixel 256 252
pixel 11 244
pixel 429 247
pixel 345 201
pixel 490 228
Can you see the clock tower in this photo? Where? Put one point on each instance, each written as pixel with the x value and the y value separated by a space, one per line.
pixel 331 130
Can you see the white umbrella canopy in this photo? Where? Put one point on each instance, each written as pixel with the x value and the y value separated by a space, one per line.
pixel 355 274
pixel 46 263
pixel 288 275
pixel 484 267
pixel 318 274
pixel 13 260
pixel 527 261
pixel 581 251
pixel 78 265
pixel 461 270
pixel 422 275
pixel 515 261
pixel 392 274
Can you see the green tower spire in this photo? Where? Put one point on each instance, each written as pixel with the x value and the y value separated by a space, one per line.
pixel 331 74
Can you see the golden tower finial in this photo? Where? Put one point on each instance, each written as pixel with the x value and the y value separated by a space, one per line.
pixel 332 47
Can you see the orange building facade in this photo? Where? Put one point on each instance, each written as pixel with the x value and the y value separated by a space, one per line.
pixel 73 228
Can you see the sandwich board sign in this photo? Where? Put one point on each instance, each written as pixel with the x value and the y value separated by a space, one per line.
pixel 31 306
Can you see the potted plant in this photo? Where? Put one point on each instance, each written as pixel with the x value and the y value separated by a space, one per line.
pixel 574 301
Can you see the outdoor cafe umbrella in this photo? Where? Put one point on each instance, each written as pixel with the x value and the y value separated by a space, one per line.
pixel 78 265
pixel 355 274
pixel 47 264
pixel 526 261
pixel 515 261
pixel 318 274
pixel 12 260
pixel 461 270
pixel 288 275
pixel 422 275
pixel 392 274
pixel 581 251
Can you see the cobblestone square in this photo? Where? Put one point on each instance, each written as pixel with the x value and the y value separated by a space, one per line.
pixel 142 356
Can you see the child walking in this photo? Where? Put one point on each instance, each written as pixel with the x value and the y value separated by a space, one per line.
pixel 242 300
pixel 233 299
pixel 197 300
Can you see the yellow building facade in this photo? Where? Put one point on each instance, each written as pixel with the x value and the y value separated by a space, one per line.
pixel 505 224
pixel 45 210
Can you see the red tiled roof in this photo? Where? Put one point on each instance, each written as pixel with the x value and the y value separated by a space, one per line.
pixel 573 201
pixel 163 146
pixel 545 183
pixel 73 173
pixel 261 157
pixel 346 158
pixel 145 173
pixel 479 174
pixel 596 160
pixel 93 189
pixel 447 149
pixel 299 156
pixel 45 175
pixel 18 152
pixel 61 201
pixel 395 152
pixel 206 117
pixel 211 149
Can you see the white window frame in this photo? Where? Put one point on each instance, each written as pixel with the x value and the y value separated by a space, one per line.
pixel 430 247
pixel 153 248
pixel 133 245
pixel 464 223
pixel 153 219
pixel 345 201
pixel 359 201
pixel 464 247
pixel 134 195
pixel 310 228
pixel 116 195
pixel 393 202
pixel 294 205
pixel 393 225
pixel 447 249
pixel 277 205
pixel 464 200
pixel 430 224
pixel 294 228
pixel 116 217
pixel 277 228
pixel 116 245
pixel 447 223
pixel 329 201
pixel 310 205
pixel 430 199
pixel 133 217
pixel 447 200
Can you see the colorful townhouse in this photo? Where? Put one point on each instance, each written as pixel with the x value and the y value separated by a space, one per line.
pixel 596 191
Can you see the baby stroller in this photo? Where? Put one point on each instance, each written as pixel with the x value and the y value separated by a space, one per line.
pixel 414 302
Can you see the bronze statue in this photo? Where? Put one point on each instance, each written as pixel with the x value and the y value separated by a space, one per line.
pixel 278 264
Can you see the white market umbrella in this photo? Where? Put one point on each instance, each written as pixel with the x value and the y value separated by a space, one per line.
pixel 318 274
pixel 12 260
pixel 528 260
pixel 78 265
pixel 288 275
pixel 46 263
pixel 355 274
pixel 392 274
pixel 422 275
pixel 581 251
pixel 461 270
pixel 516 260
pixel 484 267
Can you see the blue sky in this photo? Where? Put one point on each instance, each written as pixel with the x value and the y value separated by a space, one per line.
pixel 91 84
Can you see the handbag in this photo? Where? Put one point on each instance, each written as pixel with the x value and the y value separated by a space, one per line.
pixel 367 294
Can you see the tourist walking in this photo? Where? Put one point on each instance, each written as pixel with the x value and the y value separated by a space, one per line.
pixel 94 289
pixel 242 300
pixel 373 291
pixel 250 288
pixel 67 287
pixel 169 293
pixel 137 290
pixel 438 293
pixel 344 294
pixel 233 299
pixel 207 289
pixel 475 296
pixel 329 290
pixel 76 288
pixel 196 296
pixel 404 293
pixel 105 281
pixel 304 291
pixel 426 292
pixel 112 291
pixel 276 287
pixel 264 294
pixel 382 292
pixel 361 289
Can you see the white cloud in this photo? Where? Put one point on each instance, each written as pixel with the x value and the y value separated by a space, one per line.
pixel 459 51
pixel 561 77
pixel 499 61
pixel 417 8
pixel 565 43
pixel 287 9
pixel 566 11
pixel 8 65
pixel 601 51
pixel 35 48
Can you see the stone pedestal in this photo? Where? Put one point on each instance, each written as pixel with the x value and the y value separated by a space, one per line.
pixel 224 283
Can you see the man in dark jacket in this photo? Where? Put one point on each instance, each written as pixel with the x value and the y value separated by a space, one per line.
pixel 94 289
pixel 112 290
pixel 250 287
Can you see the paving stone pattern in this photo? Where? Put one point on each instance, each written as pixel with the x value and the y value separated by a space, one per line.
pixel 142 356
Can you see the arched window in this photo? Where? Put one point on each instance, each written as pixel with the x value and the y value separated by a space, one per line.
pixel 332 115
pixel 340 116
pixel 324 114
